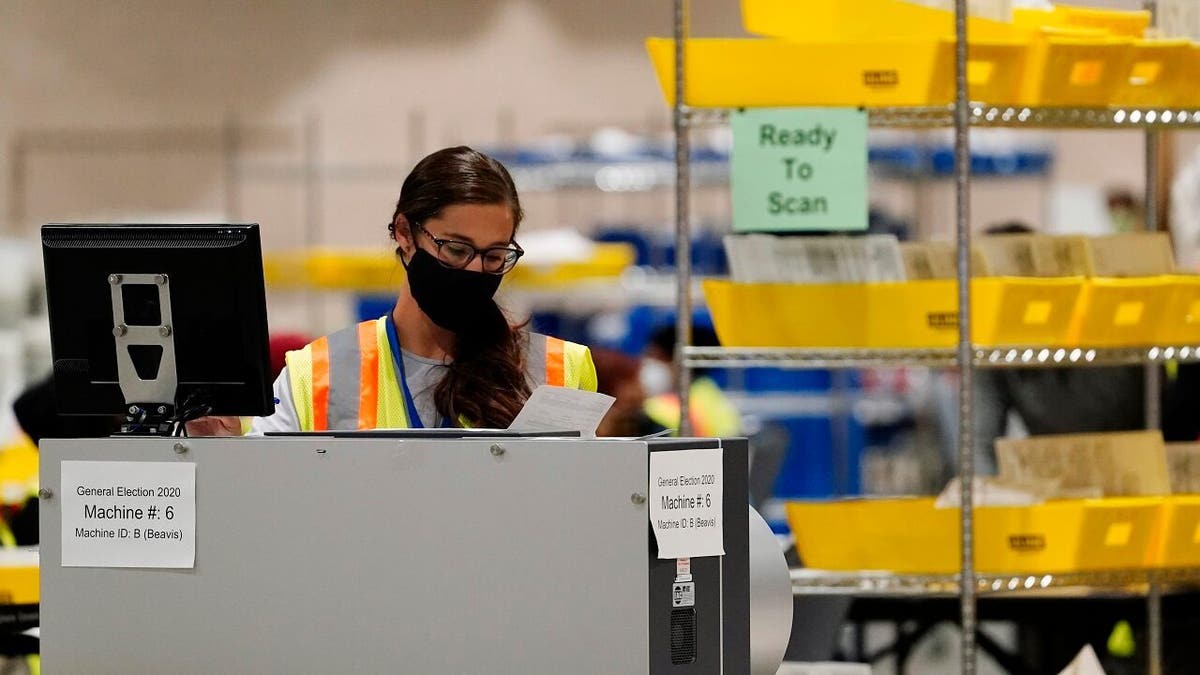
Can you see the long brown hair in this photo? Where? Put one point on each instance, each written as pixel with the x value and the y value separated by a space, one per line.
pixel 485 384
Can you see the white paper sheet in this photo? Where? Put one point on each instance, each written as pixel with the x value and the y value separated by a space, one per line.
pixel 128 514
pixel 824 668
pixel 1086 663
pixel 686 488
pixel 987 492
pixel 562 409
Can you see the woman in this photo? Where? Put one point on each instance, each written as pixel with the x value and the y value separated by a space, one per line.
pixel 446 355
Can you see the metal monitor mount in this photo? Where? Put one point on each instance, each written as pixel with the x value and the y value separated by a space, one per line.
pixel 150 402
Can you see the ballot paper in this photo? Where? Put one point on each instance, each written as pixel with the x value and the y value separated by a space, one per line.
pixel 562 409
pixel 988 491
pixel 1086 663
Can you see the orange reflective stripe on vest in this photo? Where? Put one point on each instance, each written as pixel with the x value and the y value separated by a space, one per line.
pixel 555 367
pixel 368 385
pixel 320 384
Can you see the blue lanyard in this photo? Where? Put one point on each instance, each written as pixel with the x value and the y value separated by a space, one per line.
pixel 410 406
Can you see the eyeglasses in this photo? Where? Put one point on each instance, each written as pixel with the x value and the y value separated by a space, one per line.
pixel 458 254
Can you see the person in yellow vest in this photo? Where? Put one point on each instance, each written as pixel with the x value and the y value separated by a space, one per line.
pixel 709 410
pixel 446 355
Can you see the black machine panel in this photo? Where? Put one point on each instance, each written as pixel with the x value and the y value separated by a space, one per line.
pixel 691 640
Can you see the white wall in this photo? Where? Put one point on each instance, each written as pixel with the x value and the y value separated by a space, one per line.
pixel 475 71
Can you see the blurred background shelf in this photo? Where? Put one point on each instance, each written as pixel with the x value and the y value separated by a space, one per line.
pixel 984 115
pixel 1135 583
pixel 985 357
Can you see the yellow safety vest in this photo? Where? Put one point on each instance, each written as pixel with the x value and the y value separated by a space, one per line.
pixel 347 380
pixel 709 411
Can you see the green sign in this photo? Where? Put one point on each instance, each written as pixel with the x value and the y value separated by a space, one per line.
pixel 799 169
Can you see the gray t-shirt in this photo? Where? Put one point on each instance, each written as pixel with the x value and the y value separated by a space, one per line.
pixel 422 375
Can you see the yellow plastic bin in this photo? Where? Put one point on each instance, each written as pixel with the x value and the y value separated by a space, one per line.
pixel 1132 24
pixel 913 536
pixel 995 70
pixel 1158 74
pixel 1178 544
pixel 899 535
pixel 912 314
pixel 1012 311
pixel 20 584
pixel 1181 320
pixel 788 315
pixel 1121 312
pixel 1190 95
pixel 1067 535
pixel 727 72
pixel 1070 69
pixel 861 19
pixel 901 315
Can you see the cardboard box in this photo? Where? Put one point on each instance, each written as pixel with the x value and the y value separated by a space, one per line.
pixel 1183 466
pixel 1138 254
pixel 938 260
pixel 1009 255
pixel 1061 256
pixel 916 261
pixel 1122 464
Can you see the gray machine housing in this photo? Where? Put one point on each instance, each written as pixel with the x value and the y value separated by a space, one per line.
pixel 319 554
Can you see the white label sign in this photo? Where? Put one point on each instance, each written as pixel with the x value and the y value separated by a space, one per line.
pixel 685 502
pixel 683 569
pixel 683 594
pixel 128 514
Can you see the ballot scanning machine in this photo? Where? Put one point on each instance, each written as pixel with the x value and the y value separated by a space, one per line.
pixel 447 552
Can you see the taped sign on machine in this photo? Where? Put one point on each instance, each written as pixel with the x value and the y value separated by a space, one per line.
pixel 686 498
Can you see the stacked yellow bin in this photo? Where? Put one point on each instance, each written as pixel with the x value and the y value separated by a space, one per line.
pixel 893 53
pixel 913 536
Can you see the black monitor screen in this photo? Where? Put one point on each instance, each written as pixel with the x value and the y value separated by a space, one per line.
pixel 218 315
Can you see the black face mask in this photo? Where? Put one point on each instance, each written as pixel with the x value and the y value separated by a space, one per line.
pixel 457 300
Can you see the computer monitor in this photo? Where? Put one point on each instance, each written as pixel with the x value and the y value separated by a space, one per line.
pixel 157 321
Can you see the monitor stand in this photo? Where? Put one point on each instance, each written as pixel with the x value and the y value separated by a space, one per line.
pixel 146 367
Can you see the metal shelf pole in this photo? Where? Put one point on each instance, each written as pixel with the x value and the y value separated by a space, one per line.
pixel 966 366
pixel 1154 626
pixel 1153 400
pixel 1154 371
pixel 683 240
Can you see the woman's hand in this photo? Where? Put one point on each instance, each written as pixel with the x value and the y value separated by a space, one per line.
pixel 215 426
